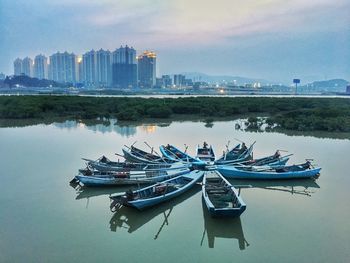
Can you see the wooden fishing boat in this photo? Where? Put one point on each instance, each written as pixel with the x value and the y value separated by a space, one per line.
pixel 305 170
pixel 157 193
pixel 220 197
pixel 89 177
pixel 133 154
pixel 131 220
pixel 104 164
pixel 272 160
pixel 205 153
pixel 237 154
pixel 172 153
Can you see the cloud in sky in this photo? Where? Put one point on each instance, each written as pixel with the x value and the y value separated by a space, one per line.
pixel 229 36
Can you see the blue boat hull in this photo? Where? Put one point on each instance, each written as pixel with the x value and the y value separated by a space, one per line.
pixel 142 204
pixel 280 162
pixel 236 158
pixel 133 158
pixel 215 212
pixel 98 181
pixel 184 156
pixel 232 172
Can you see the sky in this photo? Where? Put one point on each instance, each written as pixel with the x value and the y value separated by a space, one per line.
pixel 276 40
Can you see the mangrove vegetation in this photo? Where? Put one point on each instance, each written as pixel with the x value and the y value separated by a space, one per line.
pixel 298 114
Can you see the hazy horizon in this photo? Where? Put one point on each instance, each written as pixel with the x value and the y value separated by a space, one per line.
pixel 265 39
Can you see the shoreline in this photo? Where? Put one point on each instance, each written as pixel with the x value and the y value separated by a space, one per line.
pixel 292 113
pixel 181 95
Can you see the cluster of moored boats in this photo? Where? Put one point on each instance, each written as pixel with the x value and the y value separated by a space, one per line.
pixel 173 172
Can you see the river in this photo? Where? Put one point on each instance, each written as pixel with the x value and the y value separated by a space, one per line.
pixel 44 219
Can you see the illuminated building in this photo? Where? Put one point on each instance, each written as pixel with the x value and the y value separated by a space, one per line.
pixel 80 69
pixel 147 69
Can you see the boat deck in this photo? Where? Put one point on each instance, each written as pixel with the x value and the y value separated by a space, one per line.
pixel 219 193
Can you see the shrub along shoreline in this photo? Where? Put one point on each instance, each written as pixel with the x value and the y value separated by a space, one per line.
pixel 298 114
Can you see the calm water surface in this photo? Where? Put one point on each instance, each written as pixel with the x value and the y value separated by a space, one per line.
pixel 43 219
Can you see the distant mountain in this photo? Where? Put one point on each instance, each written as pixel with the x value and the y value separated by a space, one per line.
pixel 332 83
pixel 197 76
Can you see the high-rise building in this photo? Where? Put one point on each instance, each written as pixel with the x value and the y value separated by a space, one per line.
pixel 27 66
pixel 147 69
pixel 63 67
pixel 159 83
pixel 103 67
pixel 89 68
pixel 17 67
pixel 188 82
pixel 167 82
pixel 124 67
pixel 179 80
pixel 40 67
pixel 2 76
pixel 124 55
pixel 80 69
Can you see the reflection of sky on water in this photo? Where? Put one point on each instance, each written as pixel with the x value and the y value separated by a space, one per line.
pixel 131 220
pixel 40 160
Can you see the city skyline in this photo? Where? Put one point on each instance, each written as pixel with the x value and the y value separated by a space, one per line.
pixel 272 40
pixel 121 68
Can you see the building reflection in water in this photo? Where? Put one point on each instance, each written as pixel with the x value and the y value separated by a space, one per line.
pixel 148 128
pixel 125 131
pixel 67 125
pixel 99 126
pixel 222 227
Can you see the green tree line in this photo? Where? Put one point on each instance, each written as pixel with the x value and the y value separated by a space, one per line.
pixel 304 114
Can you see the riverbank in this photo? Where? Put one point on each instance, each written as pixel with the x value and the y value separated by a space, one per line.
pixel 295 114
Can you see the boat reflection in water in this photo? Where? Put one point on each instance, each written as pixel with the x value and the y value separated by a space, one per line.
pixel 295 187
pixel 222 227
pixel 132 219
pixel 228 228
pixel 87 192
